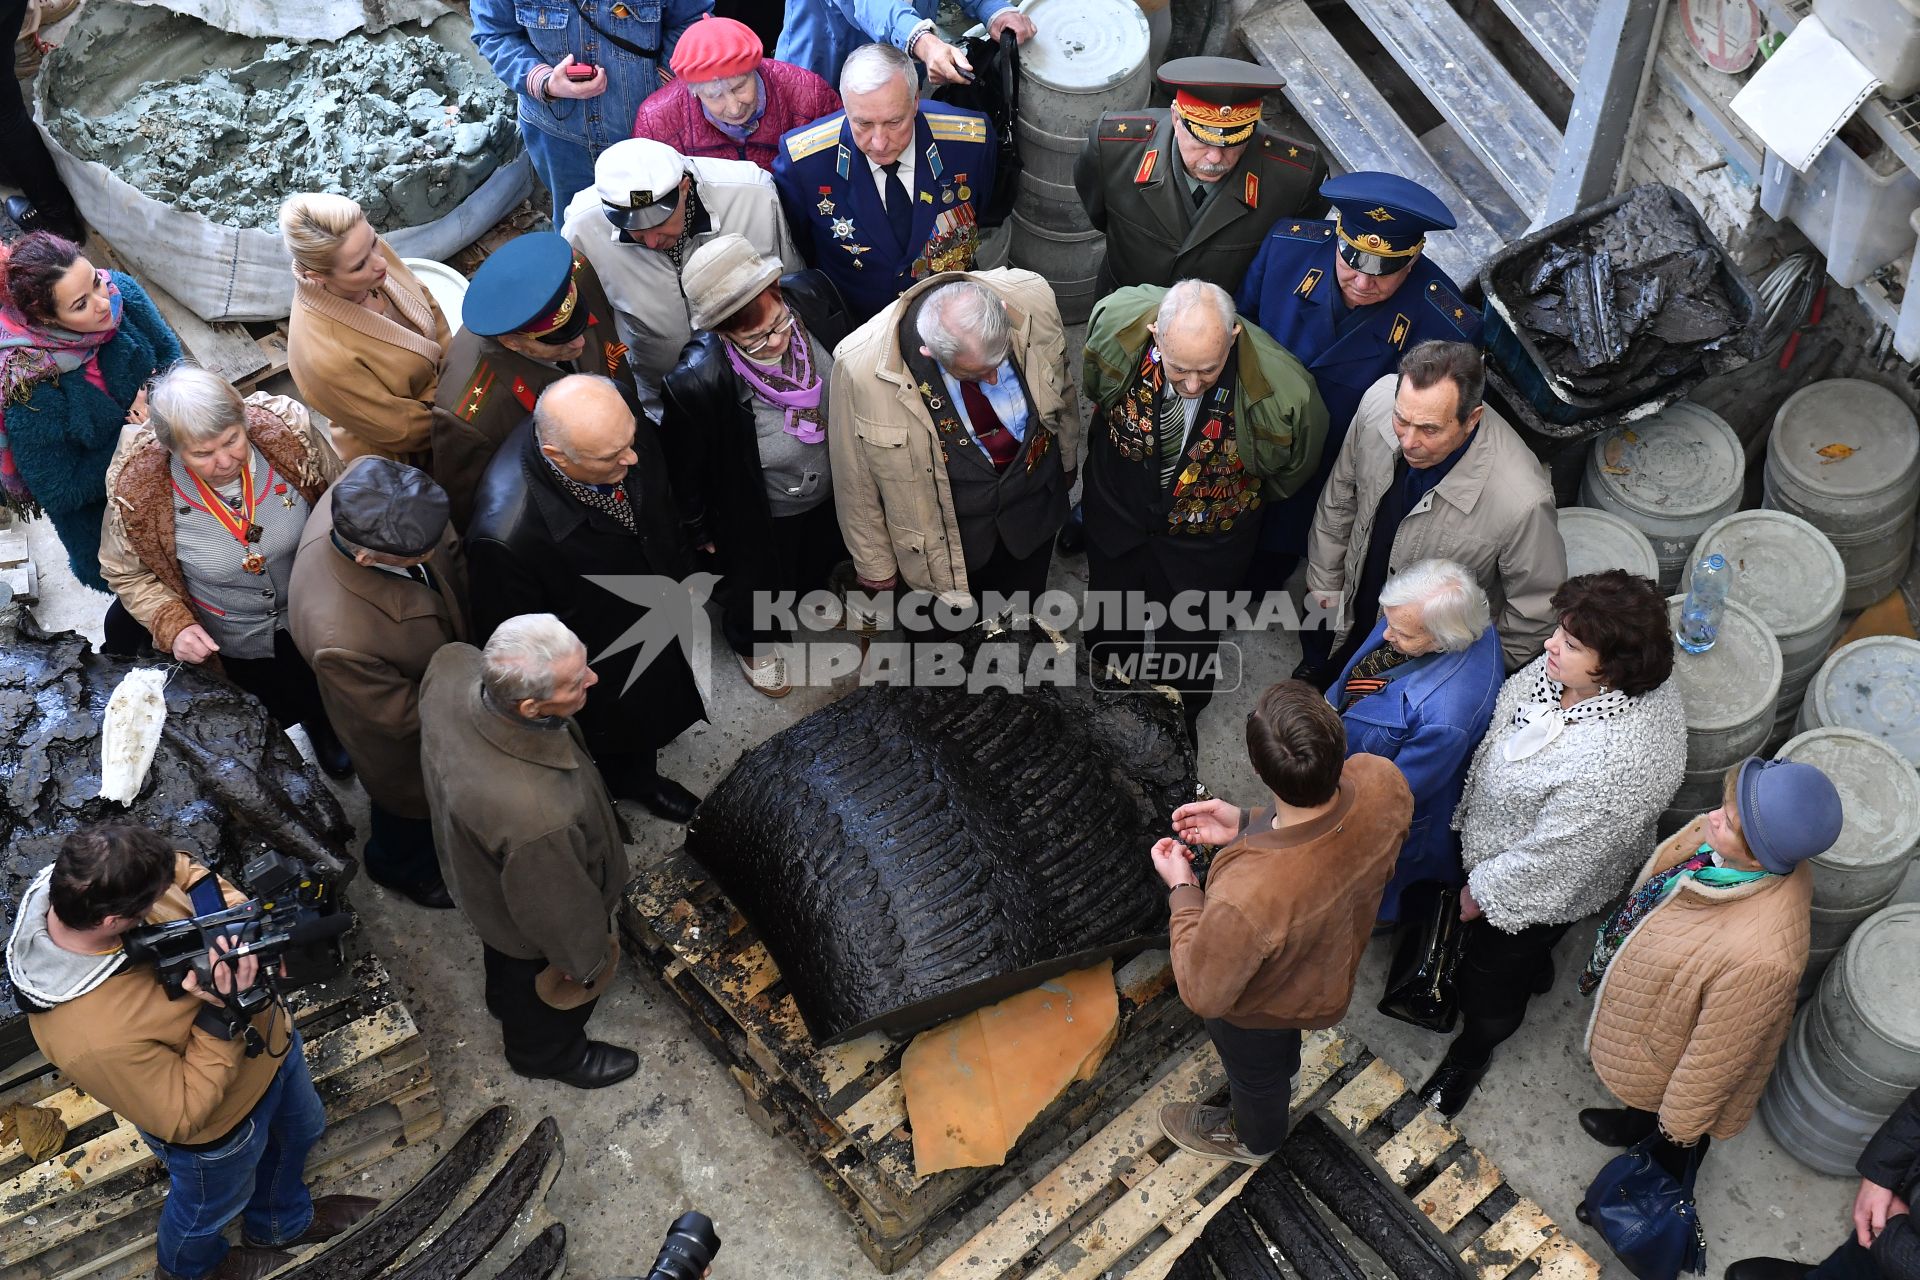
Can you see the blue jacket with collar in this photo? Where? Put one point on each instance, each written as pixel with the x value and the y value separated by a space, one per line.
pixel 819 34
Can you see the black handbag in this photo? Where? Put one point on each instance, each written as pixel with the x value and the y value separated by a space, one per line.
pixel 1646 1215
pixel 1426 957
pixel 995 90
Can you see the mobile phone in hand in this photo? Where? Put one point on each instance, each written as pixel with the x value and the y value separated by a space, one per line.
pixel 582 71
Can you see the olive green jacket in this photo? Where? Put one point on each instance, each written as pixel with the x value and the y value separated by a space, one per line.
pixel 1277 414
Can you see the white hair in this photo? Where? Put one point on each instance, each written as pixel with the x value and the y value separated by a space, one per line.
pixel 188 405
pixel 548 430
pixel 1188 294
pixel 522 655
pixel 1453 607
pixel 870 67
pixel 964 317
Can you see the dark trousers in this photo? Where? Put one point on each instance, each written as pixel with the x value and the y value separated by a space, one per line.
pixel 120 635
pixel 24 159
pixel 1260 1065
pixel 539 1039
pixel 1499 973
pixel 1197 651
pixel 798 557
pixel 284 683
pixel 1848 1262
pixel 400 851
pixel 1670 1155
pixel 1005 573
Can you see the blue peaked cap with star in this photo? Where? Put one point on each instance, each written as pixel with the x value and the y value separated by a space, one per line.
pixel 1383 219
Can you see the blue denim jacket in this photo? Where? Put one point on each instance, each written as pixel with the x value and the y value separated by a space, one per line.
pixel 819 34
pixel 515 36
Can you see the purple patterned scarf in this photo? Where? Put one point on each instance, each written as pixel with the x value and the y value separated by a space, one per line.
pixel 792 386
pixel 30 354
pixel 741 132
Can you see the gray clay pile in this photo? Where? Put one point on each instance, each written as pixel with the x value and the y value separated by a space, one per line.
pixel 407 127
pixel 1636 297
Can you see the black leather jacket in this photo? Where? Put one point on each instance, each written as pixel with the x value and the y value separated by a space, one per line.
pixel 709 436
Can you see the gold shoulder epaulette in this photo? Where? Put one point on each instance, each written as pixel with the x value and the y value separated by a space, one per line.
pixel 815 139
pixel 957 128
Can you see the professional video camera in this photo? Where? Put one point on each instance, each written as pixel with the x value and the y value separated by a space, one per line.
pixel 688 1250
pixel 292 918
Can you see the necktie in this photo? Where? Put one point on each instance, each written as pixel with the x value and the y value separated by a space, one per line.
pixel 899 206
pixel 991 432
pixel 422 575
pixel 1200 190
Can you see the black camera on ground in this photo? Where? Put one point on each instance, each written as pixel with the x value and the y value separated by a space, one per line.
pixel 291 924
pixel 688 1250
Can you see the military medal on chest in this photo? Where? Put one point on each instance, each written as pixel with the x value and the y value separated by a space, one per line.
pixel 235 517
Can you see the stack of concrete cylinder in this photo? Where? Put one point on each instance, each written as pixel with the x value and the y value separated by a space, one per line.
pixel 1089 57
pixel 1787 572
pixel 1854 1053
pixel 1730 692
pixel 1599 540
pixel 1880 800
pixel 1670 475
pixel 1872 685
pixel 1844 455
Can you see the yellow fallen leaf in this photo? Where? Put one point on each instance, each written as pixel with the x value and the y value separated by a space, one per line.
pixel 1834 452
pixel 1618 471
pixel 1629 436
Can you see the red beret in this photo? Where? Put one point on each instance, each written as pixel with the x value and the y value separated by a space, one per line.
pixel 716 49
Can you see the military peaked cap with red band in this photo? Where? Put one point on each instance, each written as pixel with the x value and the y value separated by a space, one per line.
pixel 1219 98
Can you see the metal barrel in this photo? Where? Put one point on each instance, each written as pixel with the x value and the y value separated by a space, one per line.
pixel 1872 685
pixel 1729 692
pixel 1598 540
pixel 1670 475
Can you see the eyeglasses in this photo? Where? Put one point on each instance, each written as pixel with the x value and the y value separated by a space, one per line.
pixel 758 344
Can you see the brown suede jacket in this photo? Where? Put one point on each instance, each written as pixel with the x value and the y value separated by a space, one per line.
pixel 1276 938
pixel 128 1045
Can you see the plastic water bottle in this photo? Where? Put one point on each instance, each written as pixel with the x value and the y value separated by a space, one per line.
pixel 1706 599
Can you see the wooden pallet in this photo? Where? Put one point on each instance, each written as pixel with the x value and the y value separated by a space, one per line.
pixel 1129 1203
pixel 843 1107
pixel 90 1210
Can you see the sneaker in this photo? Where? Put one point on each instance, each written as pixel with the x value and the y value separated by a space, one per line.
pixel 767 675
pixel 1206 1131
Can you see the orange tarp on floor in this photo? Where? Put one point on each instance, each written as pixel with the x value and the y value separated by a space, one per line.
pixel 974 1084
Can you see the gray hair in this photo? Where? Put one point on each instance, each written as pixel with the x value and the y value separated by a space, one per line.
pixel 1188 294
pixel 964 317
pixel 188 405
pixel 521 656
pixel 548 430
pixel 1453 607
pixel 870 67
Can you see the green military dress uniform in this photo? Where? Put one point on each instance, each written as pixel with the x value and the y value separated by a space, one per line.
pixel 1135 189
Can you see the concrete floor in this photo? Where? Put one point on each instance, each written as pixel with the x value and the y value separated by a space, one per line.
pixel 676 1137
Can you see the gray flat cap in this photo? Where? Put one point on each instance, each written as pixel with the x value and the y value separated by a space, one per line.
pixel 389 507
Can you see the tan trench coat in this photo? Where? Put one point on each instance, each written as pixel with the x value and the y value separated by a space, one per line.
pixel 1493 513
pixel 1698 1000
pixel 368 635
pixel 889 484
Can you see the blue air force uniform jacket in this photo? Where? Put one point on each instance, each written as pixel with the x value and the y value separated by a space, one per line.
pixel 841 225
pixel 1292 293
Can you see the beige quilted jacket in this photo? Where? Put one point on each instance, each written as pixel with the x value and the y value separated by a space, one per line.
pixel 1696 1004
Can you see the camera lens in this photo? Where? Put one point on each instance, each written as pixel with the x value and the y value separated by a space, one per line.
pixel 688 1249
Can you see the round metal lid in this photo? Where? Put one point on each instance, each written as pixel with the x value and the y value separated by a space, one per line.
pixel 1881 959
pixel 1598 540
pixel 1873 685
pixel 1879 795
pixel 1845 437
pixel 1784 569
pixel 1682 461
pixel 1734 683
pixel 1084 46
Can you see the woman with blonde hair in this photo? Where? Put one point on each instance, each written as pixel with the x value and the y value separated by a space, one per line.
pixel 366 342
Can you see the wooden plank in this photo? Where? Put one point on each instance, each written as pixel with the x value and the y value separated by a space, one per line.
pixel 1131 1219
pixel 882 1110
pixel 1561 1259
pixel 843 1064
pixel 1557 32
pixel 1366 1097
pixel 1410 1152
pixel 74 1109
pixel 1156 1264
pixel 1504 1247
pixel 1464 1184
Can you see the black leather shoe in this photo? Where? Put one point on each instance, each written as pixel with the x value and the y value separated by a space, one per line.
pixel 431 894
pixel 1450 1086
pixel 1768 1269
pixel 1586 1218
pixel 1616 1126
pixel 331 1216
pixel 664 798
pixel 1073 534
pixel 30 217
pixel 604 1064
pixel 328 751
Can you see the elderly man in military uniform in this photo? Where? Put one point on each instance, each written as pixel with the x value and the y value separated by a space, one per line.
pixel 534 313
pixel 648 209
pixel 1205 418
pixel 1349 297
pixel 1189 192
pixel 885 193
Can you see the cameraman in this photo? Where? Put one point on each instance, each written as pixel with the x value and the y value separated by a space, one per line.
pixel 233 1130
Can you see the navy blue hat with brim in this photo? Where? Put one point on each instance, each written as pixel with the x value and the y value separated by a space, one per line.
pixel 1383 219
pixel 526 286
pixel 1789 812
